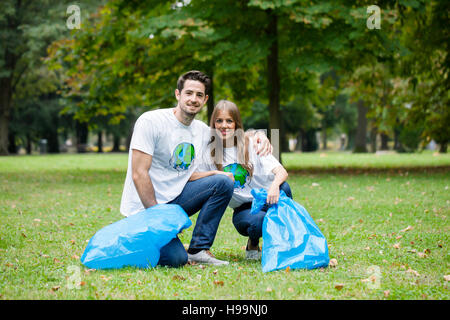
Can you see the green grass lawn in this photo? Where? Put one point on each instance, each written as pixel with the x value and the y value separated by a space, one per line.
pixel 389 233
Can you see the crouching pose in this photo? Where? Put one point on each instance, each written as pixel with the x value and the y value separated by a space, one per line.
pixel 232 153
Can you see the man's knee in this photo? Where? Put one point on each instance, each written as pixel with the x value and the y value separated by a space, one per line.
pixel 223 184
pixel 179 260
pixel 174 260
pixel 173 254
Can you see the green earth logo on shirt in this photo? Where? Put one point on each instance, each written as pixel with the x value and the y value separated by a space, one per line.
pixel 183 156
pixel 239 173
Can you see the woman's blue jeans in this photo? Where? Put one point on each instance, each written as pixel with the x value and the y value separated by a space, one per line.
pixel 250 225
pixel 210 196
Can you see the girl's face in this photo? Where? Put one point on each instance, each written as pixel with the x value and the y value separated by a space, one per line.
pixel 225 124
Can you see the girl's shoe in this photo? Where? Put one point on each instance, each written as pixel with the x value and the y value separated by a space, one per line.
pixel 252 254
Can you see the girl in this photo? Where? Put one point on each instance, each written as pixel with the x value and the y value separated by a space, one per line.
pixel 232 153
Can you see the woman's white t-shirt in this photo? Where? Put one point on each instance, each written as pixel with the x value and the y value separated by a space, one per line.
pixel 262 172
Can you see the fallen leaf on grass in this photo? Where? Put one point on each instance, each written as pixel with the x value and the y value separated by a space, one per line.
pixel 105 278
pixel 422 255
pixel 350 198
pixel 408 228
pixel 396 246
pixel 56 288
pixel 178 277
pixel 89 271
pixel 269 289
pixel 414 272
pixel 386 293
pixel 339 286
pixel 447 277
pixel 218 283
pixel 333 263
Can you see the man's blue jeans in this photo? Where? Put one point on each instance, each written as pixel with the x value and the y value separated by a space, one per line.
pixel 210 196
pixel 250 225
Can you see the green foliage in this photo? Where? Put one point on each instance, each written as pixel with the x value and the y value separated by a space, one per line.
pixel 128 55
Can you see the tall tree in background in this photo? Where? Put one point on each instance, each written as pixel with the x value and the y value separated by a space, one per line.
pixel 427 37
pixel 24 38
pixel 26 29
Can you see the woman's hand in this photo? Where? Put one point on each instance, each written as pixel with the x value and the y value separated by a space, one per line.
pixel 273 194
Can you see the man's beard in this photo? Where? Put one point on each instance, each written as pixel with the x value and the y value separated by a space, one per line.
pixel 189 113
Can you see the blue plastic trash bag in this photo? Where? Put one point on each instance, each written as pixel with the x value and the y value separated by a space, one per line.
pixel 135 240
pixel 290 236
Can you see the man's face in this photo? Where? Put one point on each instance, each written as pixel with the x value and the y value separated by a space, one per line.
pixel 192 98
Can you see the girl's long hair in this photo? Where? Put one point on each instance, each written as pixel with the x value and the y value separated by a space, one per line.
pixel 240 140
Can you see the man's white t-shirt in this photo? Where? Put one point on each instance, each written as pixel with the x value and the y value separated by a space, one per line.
pixel 262 172
pixel 176 149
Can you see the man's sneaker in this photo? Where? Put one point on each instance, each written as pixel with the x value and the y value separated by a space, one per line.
pixel 206 257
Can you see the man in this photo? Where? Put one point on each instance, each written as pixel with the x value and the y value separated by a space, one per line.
pixel 164 149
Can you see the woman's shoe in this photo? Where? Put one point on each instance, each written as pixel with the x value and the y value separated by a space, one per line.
pixel 252 254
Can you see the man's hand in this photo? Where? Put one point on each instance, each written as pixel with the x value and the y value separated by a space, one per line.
pixel 261 143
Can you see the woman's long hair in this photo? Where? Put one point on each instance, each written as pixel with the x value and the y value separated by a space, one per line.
pixel 240 140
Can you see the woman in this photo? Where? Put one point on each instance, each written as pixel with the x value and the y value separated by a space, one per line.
pixel 233 154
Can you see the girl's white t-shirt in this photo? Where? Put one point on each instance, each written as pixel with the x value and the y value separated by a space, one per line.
pixel 262 172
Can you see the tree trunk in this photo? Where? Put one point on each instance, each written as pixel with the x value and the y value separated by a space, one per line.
pixel 373 139
pixel 361 130
pixel 443 147
pixel 82 136
pixel 116 143
pixel 273 82
pixel 12 147
pixel 298 146
pixel 100 141
pixel 5 112
pixel 210 103
pixel 29 146
pixel 324 139
pixel 351 134
pixel 384 141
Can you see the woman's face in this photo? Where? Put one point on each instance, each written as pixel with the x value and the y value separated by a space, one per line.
pixel 225 125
